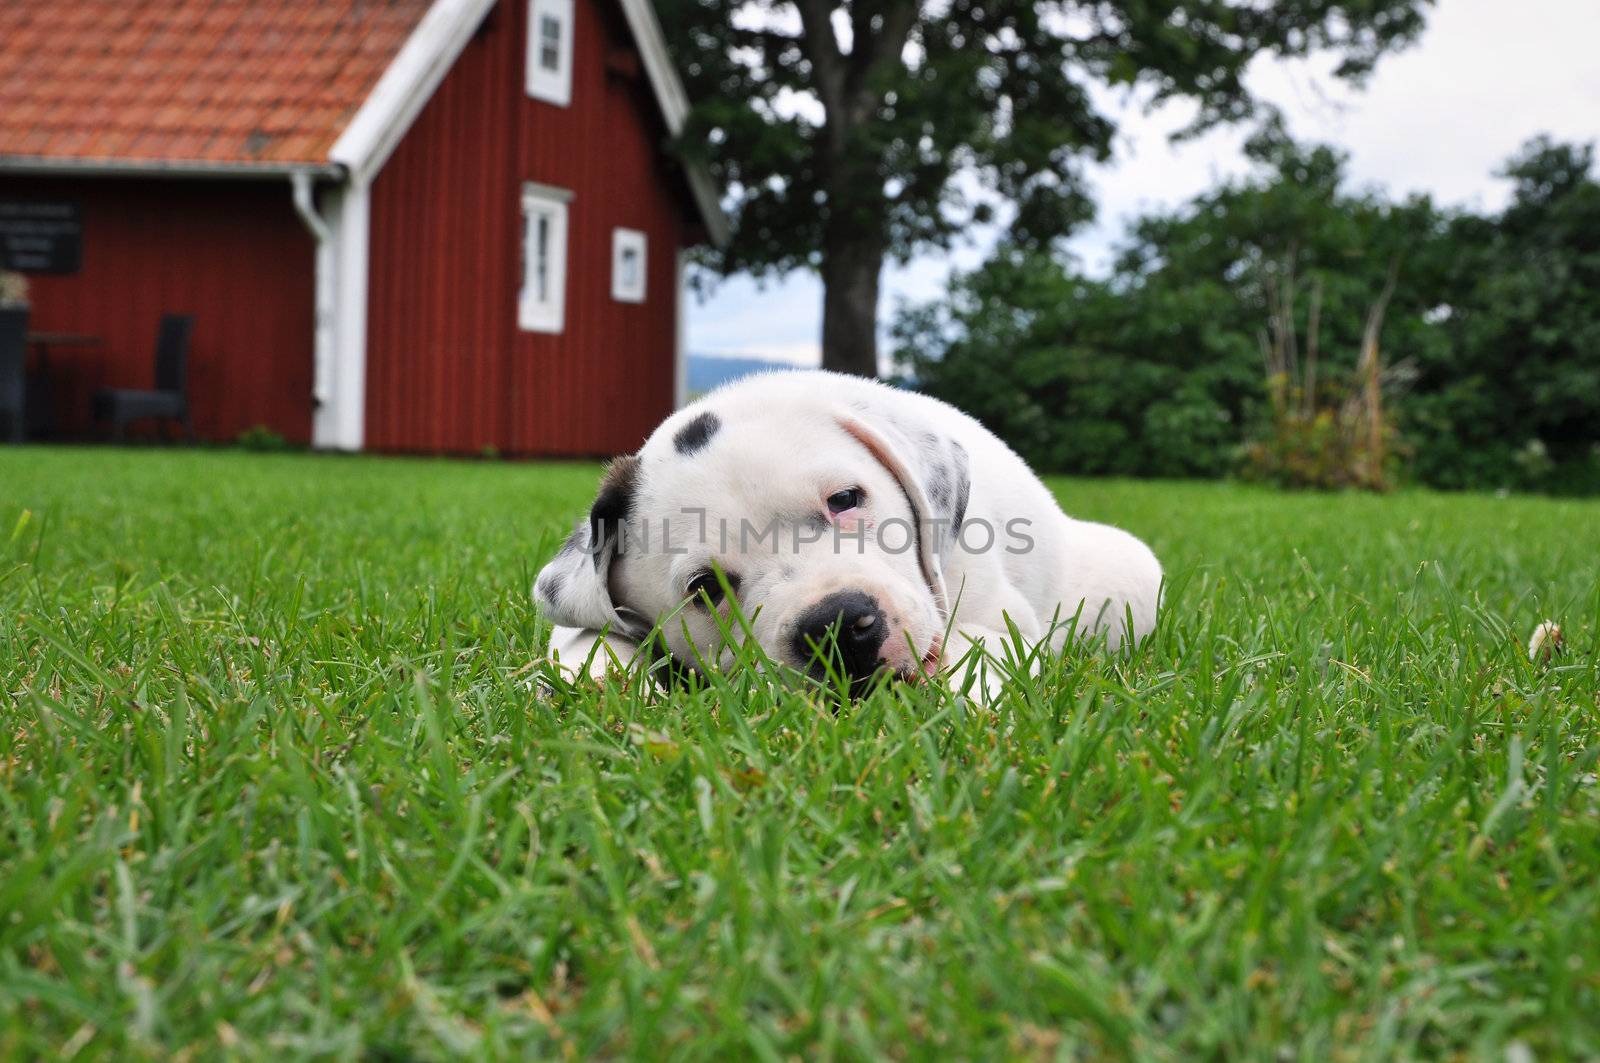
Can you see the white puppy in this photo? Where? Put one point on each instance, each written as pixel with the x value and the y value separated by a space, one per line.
pixel 860 528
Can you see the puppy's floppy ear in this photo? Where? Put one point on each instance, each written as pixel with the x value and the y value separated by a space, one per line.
pixel 933 470
pixel 574 590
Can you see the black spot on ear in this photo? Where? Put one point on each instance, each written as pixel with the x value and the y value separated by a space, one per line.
pixel 939 485
pixel 963 486
pixel 697 433
pixel 614 505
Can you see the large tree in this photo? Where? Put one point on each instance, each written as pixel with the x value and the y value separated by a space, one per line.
pixel 840 127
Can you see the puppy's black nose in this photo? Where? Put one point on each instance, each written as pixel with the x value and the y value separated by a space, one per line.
pixel 846 629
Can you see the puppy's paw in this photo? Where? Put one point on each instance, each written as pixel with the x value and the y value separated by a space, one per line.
pixel 580 656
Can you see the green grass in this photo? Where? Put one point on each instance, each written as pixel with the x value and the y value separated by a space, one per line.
pixel 273 783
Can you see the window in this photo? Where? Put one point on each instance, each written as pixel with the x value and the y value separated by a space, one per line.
pixel 549 43
pixel 542 302
pixel 550 50
pixel 627 265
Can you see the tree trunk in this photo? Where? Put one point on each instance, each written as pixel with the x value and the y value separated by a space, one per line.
pixel 855 229
pixel 852 264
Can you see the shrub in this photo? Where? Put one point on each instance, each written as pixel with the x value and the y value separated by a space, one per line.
pixel 261 438
pixel 1328 450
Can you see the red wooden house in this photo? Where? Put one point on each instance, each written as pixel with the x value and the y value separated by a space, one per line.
pixel 426 225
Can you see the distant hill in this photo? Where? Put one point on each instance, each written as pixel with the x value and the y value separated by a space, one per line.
pixel 707 371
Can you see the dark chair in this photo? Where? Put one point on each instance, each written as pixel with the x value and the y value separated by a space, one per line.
pixel 13 374
pixel 170 399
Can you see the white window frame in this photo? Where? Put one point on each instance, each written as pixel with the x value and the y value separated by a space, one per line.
pixel 549 205
pixel 622 242
pixel 543 83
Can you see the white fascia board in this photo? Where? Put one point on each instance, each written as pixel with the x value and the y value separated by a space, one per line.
pixel 67 167
pixel 407 85
pixel 680 346
pixel 674 104
pixel 646 30
pixel 704 191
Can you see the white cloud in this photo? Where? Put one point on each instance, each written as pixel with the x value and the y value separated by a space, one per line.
pixel 1438 118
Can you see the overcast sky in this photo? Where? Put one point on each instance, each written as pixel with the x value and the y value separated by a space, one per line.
pixel 1437 118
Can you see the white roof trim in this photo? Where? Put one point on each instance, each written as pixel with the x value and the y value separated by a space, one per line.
pixel 674 103
pixel 704 190
pixel 407 85
pixel 657 64
pixel 432 49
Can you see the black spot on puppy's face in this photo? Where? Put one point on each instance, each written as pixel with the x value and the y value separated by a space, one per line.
pixel 696 434
pixel 614 505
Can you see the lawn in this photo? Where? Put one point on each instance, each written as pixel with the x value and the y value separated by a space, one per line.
pixel 275 781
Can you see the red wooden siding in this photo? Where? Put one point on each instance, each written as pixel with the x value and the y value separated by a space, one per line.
pixel 233 253
pixel 448 369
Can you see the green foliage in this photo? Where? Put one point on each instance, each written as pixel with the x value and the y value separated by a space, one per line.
pixel 1490 345
pixel 1021 345
pixel 925 91
pixel 1520 368
pixel 261 438
pixel 274 782
pixel 909 94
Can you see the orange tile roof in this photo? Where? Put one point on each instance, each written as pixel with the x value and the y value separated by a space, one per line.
pixel 204 81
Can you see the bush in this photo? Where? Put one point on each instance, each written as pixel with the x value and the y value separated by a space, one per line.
pixel 261 438
pixel 1327 450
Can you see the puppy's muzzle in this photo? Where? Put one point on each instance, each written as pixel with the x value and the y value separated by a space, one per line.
pixel 843 633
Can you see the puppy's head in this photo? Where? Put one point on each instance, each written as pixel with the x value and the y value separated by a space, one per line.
pixel 825 527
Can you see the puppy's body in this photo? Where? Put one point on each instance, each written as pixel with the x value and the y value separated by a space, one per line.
pixel 897 515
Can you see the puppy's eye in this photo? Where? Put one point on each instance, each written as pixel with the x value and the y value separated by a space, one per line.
pixel 706 583
pixel 846 500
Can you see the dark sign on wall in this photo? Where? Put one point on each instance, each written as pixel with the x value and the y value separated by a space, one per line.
pixel 40 236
